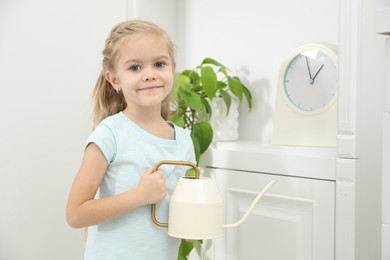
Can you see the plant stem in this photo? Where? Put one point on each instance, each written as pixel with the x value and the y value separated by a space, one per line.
pixel 192 121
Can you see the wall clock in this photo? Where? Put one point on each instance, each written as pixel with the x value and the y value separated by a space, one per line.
pixel 306 99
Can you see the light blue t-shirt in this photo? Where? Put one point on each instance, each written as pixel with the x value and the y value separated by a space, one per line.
pixel 130 151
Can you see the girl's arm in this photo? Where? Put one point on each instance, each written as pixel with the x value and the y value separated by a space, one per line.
pixel 83 210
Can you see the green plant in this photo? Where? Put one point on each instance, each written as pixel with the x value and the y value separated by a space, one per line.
pixel 192 92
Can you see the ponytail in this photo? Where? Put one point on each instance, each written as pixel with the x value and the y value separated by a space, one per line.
pixel 107 101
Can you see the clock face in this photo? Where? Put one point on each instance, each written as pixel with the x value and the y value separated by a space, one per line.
pixel 310 81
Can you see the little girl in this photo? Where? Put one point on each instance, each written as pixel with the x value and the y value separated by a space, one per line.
pixel 115 185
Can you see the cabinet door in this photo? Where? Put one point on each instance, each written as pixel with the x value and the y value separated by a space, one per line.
pixel 294 219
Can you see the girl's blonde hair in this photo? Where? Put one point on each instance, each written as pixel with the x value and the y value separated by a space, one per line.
pixel 107 101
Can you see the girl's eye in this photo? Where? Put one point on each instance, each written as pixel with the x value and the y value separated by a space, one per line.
pixel 135 68
pixel 160 64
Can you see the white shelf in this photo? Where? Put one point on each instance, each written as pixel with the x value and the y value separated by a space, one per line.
pixel 307 162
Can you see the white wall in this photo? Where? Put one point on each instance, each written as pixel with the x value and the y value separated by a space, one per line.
pixel 162 12
pixel 50 55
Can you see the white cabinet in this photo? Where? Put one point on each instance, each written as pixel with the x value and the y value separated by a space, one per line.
pixel 296 217
pixel 294 220
pixel 386 154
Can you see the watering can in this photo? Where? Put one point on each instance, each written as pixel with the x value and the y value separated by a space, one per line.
pixel 196 208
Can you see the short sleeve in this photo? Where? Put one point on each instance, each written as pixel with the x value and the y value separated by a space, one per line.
pixel 104 138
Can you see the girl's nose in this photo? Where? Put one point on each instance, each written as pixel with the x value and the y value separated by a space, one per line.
pixel 149 75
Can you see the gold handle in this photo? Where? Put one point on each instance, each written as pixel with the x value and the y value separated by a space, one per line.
pixel 197 176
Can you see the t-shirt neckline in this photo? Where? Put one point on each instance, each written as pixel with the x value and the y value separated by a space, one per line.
pixel 148 135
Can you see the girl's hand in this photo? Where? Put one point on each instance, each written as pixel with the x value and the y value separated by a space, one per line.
pixel 83 209
pixel 152 186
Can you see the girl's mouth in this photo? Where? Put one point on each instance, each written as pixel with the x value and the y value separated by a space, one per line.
pixel 149 88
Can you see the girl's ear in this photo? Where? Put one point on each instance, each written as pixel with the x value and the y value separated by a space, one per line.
pixel 110 77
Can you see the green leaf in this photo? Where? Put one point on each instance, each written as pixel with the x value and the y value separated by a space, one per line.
pixel 191 98
pixel 221 85
pixel 209 81
pixel 212 61
pixel 228 100
pixel 178 120
pixel 185 249
pixel 224 71
pixel 235 87
pixel 204 133
pixel 207 108
pixel 248 96
pixel 198 246
pixel 178 81
pixel 196 144
pixel 192 75
pixel 191 172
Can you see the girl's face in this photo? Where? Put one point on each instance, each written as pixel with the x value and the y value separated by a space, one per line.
pixel 144 71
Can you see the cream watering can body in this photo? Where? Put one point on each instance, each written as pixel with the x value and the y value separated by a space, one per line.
pixel 196 208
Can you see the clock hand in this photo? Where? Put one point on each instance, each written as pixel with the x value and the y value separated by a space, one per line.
pixel 308 68
pixel 318 72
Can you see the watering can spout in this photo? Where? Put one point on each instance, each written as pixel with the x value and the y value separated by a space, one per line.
pixel 249 211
